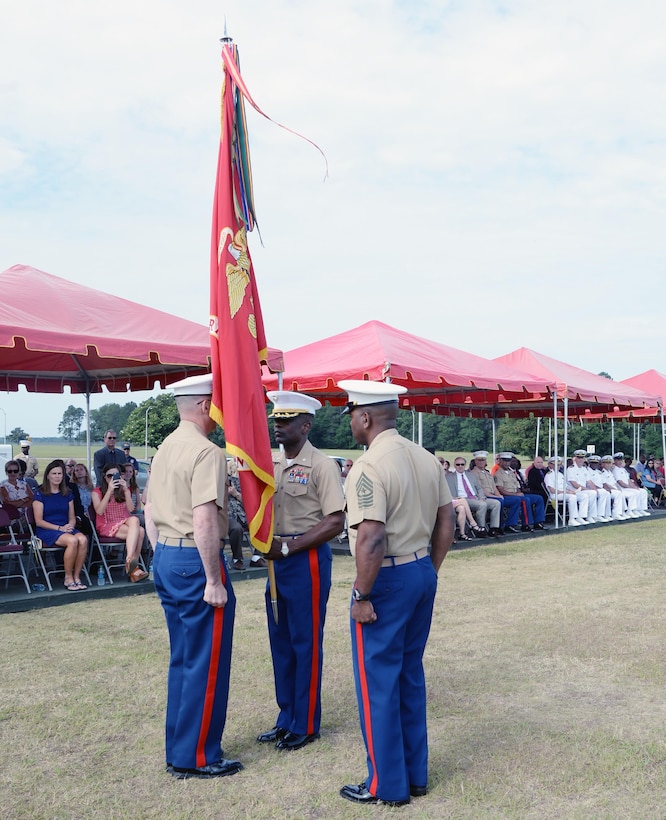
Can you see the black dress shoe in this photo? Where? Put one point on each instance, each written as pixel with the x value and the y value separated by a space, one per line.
pixel 511 529
pixel 418 791
pixel 360 794
pixel 223 768
pixel 276 733
pixel 526 528
pixel 480 532
pixel 290 741
pixel 496 532
pixel 539 526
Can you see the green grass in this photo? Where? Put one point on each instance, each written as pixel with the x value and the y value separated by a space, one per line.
pixel 545 675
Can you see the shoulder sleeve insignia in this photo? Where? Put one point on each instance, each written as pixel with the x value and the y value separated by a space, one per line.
pixel 365 491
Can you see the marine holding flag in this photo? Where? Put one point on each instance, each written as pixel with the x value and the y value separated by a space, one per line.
pixel 309 506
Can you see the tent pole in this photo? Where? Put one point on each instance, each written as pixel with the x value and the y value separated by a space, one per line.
pixel 663 433
pixel 420 415
pixel 612 437
pixel 536 446
pixel 565 433
pixel 637 441
pixel 88 431
pixel 557 518
pixel 494 441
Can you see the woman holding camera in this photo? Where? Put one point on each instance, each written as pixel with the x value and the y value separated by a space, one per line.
pixel 114 506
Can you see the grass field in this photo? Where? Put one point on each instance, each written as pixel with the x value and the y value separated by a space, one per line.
pixel 545 672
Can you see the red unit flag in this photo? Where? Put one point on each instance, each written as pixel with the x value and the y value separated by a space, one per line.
pixel 238 343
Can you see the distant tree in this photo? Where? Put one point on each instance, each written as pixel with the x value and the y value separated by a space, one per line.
pixel 16 435
pixel 162 420
pixel 109 417
pixel 605 375
pixel 330 430
pixel 72 419
pixel 517 435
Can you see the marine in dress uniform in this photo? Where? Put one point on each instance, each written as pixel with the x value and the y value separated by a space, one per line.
pixel 532 506
pixel 486 481
pixel 309 510
pixel 185 519
pixel 398 502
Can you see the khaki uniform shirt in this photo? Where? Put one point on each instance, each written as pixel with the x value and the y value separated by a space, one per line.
pixel 306 491
pixel 401 485
pixel 187 471
pixel 485 481
pixel 507 480
pixel 31 465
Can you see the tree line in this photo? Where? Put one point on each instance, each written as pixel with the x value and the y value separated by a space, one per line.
pixel 331 431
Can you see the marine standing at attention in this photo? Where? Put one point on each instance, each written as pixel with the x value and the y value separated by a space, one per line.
pixel 185 519
pixel 309 511
pixel 398 502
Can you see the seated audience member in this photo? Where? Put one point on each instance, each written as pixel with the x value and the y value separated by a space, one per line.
pixel 659 467
pixel 445 464
pixel 535 478
pixel 84 484
pixel 464 485
pixel 80 509
pixel 628 486
pixel 113 505
pixel 651 479
pixel 532 507
pixel 128 472
pixel 496 466
pixel 463 516
pixel 558 489
pixel 31 482
pixel 633 475
pixel 639 466
pixel 596 483
pixel 15 493
pixel 53 508
pixel 487 484
pixel 577 477
pixel 627 507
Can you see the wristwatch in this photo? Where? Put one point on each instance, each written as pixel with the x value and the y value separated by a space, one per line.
pixel 358 596
pixel 285 549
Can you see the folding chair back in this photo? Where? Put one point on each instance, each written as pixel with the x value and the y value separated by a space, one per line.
pixel 11 552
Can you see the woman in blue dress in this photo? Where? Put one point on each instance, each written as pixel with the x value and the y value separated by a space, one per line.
pixel 53 507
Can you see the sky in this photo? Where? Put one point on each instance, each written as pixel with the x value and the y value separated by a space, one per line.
pixel 497 173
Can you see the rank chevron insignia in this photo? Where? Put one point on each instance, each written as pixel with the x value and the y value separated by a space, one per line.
pixel 365 491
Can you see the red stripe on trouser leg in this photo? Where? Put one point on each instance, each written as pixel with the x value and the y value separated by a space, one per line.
pixel 365 698
pixel 211 683
pixel 314 672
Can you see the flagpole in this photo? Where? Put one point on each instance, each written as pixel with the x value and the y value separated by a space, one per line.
pixel 234 77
